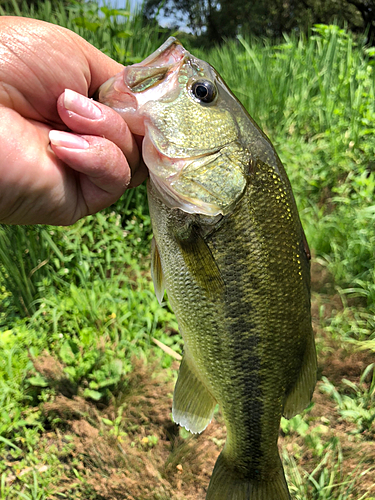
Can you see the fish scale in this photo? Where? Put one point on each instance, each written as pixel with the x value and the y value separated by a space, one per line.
pixel 230 251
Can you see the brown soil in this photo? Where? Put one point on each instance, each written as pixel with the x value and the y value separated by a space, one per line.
pixel 146 459
pixel 149 458
pixel 153 461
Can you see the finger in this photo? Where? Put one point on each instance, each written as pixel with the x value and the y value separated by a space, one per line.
pixel 85 116
pixel 104 171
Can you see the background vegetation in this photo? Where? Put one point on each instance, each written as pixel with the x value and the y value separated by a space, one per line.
pixel 80 415
pixel 216 20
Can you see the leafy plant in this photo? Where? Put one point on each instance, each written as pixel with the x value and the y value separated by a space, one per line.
pixel 327 481
pixel 357 406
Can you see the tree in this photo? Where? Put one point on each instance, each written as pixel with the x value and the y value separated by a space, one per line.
pixel 219 19
pixel 367 10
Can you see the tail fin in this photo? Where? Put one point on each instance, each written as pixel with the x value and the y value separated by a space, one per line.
pixel 226 485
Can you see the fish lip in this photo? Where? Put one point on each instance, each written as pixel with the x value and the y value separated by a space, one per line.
pixel 127 93
pixel 155 68
pixel 168 49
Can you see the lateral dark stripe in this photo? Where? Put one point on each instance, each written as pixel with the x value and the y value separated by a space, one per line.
pixel 241 284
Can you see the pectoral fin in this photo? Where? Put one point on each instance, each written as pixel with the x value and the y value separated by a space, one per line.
pixel 193 405
pixel 300 395
pixel 201 263
pixel 157 272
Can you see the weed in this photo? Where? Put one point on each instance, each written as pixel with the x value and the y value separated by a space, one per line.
pixel 327 481
pixel 357 406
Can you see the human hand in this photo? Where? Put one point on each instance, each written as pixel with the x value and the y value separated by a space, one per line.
pixel 61 179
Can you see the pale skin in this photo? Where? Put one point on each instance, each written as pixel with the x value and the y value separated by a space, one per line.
pixel 62 155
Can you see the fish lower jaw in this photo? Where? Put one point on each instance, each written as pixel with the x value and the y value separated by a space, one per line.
pixel 176 200
pixel 166 174
pixel 115 94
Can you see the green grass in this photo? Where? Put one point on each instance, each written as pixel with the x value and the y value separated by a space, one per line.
pixel 77 303
pixel 358 405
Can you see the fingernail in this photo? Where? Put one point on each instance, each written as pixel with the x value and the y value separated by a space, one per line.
pixel 66 140
pixel 81 105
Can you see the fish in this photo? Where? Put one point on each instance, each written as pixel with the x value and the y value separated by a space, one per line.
pixel 230 251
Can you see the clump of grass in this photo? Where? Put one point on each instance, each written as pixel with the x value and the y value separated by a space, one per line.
pixel 328 481
pixel 24 254
pixel 320 463
pixel 357 405
pixel 36 260
pixel 95 332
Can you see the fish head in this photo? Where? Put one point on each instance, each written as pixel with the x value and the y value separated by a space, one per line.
pixel 192 125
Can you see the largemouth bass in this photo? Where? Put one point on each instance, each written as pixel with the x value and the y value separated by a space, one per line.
pixel 230 250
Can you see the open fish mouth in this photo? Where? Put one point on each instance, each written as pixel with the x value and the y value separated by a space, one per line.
pixel 126 92
pixel 156 67
pixel 146 74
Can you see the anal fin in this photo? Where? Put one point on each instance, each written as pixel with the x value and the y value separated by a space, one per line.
pixel 193 405
pixel 301 393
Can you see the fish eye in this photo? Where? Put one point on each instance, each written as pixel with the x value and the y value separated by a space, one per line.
pixel 204 90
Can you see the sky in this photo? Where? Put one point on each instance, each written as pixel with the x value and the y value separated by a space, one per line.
pixel 121 4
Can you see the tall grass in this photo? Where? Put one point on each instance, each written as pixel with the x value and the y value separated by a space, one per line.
pixel 37 261
pixel 319 91
pixel 34 259
pixel 302 86
pixel 24 251
pixel 314 96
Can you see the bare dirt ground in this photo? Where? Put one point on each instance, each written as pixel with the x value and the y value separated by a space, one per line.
pixel 147 460
pixel 147 457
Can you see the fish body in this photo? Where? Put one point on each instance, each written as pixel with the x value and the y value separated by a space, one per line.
pixel 230 250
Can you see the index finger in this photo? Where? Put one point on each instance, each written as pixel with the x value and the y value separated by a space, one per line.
pixel 85 116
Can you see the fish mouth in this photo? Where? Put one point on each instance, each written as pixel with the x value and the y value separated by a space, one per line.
pixel 126 92
pixel 156 67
